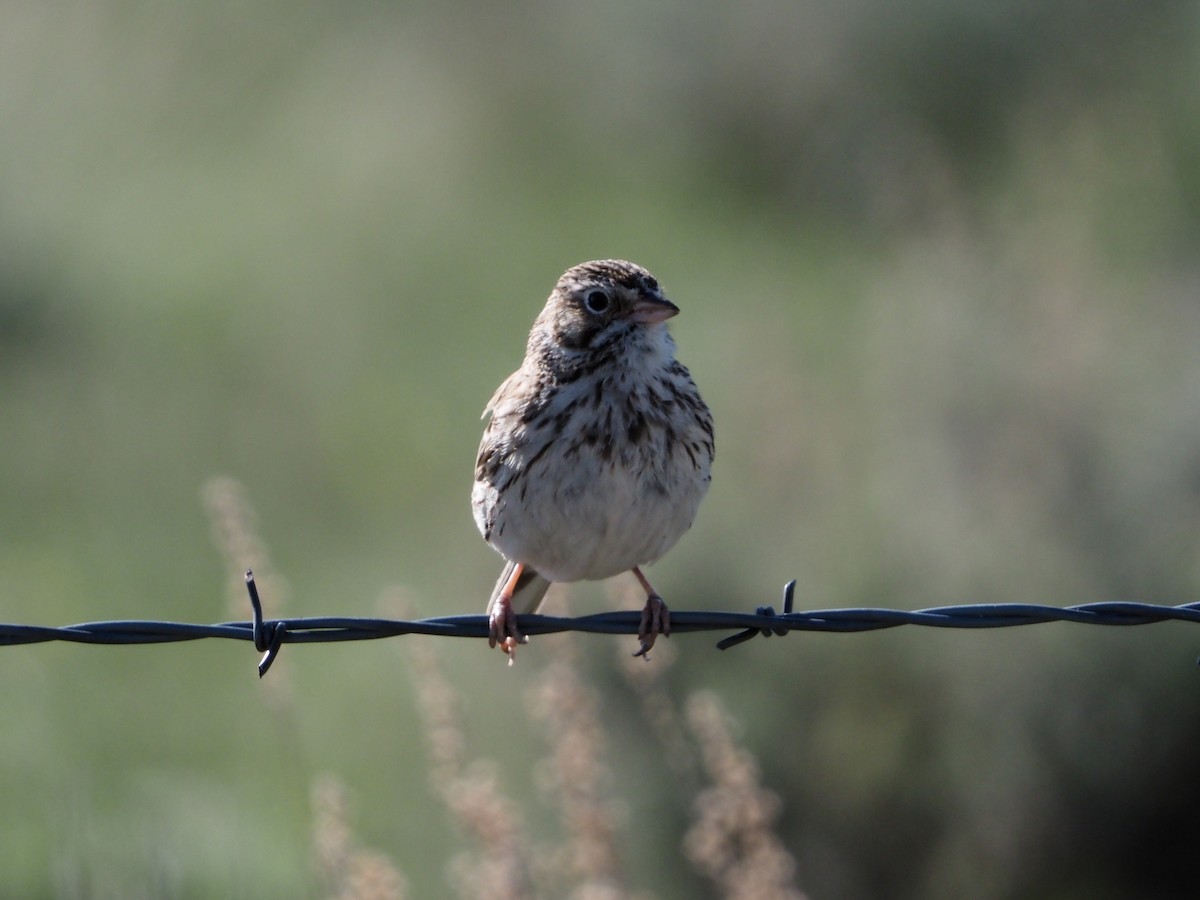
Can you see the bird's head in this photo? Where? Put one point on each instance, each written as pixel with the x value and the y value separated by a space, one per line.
pixel 598 303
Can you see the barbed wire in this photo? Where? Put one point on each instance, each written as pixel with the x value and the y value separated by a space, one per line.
pixel 268 635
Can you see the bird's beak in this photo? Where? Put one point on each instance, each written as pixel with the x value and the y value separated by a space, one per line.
pixel 649 310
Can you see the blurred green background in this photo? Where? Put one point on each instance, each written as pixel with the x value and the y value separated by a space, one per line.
pixel 940 280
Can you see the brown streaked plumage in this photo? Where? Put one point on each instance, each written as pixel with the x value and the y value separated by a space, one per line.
pixel 599 448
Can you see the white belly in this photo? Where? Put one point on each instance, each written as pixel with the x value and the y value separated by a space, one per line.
pixel 598 520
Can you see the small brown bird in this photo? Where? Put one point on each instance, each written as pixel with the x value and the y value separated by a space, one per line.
pixel 599 449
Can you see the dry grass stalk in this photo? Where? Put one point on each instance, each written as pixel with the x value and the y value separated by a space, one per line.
pixel 235 532
pixel 577 778
pixel 646 678
pixel 348 871
pixel 733 842
pixel 498 867
pixel 234 526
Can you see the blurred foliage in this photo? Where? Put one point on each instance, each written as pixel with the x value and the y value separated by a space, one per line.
pixel 938 268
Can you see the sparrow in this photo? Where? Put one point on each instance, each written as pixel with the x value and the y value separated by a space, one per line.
pixel 598 451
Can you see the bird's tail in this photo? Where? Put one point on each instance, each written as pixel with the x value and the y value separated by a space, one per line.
pixel 527 596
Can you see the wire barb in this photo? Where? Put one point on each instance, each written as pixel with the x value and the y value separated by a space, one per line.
pixel 768 612
pixel 268 636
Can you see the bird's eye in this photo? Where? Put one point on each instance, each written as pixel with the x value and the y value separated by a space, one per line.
pixel 597 302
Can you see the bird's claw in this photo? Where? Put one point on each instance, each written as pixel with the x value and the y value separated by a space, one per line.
pixel 656 620
pixel 502 629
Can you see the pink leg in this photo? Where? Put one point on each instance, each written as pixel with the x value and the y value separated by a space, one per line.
pixel 502 624
pixel 656 618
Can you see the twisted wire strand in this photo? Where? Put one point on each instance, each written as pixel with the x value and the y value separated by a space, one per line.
pixel 268 635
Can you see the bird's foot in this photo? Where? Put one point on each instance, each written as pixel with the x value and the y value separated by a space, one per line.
pixel 656 620
pixel 502 629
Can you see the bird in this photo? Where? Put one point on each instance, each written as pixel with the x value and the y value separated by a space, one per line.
pixel 598 450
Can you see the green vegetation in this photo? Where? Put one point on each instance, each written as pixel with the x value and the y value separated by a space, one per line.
pixel 938 267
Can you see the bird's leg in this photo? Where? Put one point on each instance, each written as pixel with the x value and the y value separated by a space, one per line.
pixel 656 618
pixel 502 622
